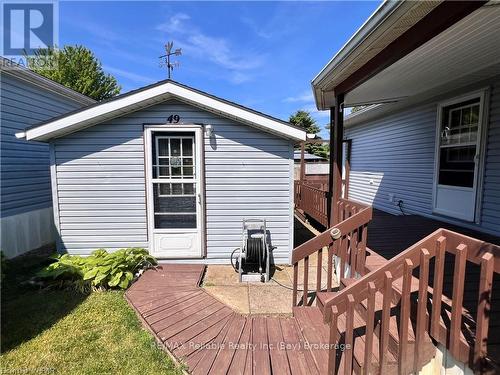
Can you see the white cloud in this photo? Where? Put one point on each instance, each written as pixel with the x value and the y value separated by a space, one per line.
pixel 257 29
pixel 175 24
pixel 305 101
pixel 239 77
pixel 131 76
pixel 314 111
pixel 217 50
pixel 102 34
pixel 306 96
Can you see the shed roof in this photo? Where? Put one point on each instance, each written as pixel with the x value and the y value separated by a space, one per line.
pixel 153 94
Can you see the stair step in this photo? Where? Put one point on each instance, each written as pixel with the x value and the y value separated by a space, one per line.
pixel 362 309
pixel 315 332
pixel 427 348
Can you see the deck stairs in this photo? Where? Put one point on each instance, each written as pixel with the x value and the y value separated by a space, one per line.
pixel 309 319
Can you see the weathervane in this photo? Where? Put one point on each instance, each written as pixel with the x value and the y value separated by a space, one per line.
pixel 165 59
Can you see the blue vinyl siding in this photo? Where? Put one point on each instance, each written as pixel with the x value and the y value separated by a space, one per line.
pixel 101 183
pixel 394 154
pixel 25 175
pixel 490 218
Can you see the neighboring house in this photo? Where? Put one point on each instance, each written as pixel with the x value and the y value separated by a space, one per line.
pixel 309 158
pixel 27 98
pixel 431 145
pixel 315 166
pixel 171 169
pixel 428 144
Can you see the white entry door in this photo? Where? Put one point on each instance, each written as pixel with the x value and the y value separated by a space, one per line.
pixel 458 155
pixel 175 192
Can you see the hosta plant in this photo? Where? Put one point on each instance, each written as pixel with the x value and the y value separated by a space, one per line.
pixel 100 270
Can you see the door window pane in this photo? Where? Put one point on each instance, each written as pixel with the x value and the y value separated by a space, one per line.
pixel 187 147
pixel 176 189
pixel 175 144
pixel 188 189
pixel 174 205
pixel 163 172
pixel 176 172
pixel 187 171
pixel 456 166
pixel 175 221
pixel 163 146
pixel 164 189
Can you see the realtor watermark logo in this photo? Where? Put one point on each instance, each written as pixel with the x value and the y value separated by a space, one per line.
pixel 28 26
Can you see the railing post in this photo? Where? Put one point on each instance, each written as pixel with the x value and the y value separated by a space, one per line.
pixel 458 297
pixel 437 291
pixel 370 321
pixel 332 341
pixel 331 251
pixel 306 281
pixel 349 333
pixel 384 326
pixel 422 306
pixel 295 277
pixel 404 316
pixel 319 267
pixel 353 244
pixel 362 250
pixel 302 162
pixel 483 310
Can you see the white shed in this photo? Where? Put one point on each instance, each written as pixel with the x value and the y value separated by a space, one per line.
pixel 171 169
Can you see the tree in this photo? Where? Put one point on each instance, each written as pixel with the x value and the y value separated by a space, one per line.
pixel 75 67
pixel 304 120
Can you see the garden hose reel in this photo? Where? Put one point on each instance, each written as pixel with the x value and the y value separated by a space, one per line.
pixel 253 261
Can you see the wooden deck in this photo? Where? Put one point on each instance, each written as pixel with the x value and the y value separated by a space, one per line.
pixel 210 338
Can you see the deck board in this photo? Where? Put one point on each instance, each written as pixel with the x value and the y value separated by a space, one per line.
pixel 209 337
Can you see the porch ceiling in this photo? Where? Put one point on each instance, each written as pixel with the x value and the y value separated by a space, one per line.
pixel 470 46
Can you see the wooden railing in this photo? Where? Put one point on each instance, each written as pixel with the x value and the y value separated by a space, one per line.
pixel 419 300
pixel 346 240
pixel 311 196
pixel 312 200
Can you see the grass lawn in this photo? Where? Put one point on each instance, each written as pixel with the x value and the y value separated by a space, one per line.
pixel 68 333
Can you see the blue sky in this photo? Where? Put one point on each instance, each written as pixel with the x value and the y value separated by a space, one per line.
pixel 259 54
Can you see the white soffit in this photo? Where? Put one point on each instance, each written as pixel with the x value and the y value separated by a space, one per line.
pixel 155 94
pixel 386 24
pixel 472 44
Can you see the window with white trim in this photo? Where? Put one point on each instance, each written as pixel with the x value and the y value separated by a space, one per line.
pixel 458 143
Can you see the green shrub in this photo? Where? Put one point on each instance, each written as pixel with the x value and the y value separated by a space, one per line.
pixel 100 270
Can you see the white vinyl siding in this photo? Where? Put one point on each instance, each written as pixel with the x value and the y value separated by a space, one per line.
pixel 101 183
pixel 394 154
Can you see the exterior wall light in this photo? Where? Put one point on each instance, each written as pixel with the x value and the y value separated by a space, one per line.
pixel 209 130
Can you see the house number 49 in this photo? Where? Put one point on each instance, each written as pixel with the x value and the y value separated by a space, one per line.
pixel 173 119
